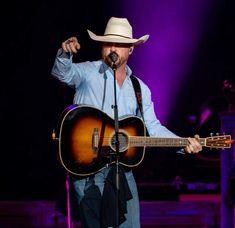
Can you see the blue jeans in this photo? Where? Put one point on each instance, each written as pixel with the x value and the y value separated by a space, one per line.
pixel 90 214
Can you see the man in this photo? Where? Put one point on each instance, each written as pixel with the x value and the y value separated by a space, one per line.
pixel 94 85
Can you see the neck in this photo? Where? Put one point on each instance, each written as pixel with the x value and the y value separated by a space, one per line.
pixel 120 75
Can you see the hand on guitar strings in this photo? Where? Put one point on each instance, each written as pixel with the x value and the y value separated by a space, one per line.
pixel 194 146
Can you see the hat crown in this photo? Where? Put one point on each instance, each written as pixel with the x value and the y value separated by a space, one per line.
pixel 118 30
pixel 119 27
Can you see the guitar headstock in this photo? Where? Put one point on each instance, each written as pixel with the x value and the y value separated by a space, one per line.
pixel 219 141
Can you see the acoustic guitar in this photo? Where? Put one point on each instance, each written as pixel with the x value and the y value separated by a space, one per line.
pixel 87 142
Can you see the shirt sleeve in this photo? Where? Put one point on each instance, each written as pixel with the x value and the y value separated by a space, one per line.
pixel 65 70
pixel 153 124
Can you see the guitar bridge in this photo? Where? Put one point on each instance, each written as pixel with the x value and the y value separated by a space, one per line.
pixel 95 140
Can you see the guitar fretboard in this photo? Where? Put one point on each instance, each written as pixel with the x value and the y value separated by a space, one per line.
pixel 136 141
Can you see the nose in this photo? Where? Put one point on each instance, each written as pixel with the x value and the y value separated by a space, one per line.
pixel 112 47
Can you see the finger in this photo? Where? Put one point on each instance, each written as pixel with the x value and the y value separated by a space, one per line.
pixel 189 148
pixel 196 136
pixel 64 47
pixel 77 46
pixel 71 45
pixel 71 48
pixel 193 146
pixel 197 143
pixel 71 40
pixel 74 47
pixel 68 47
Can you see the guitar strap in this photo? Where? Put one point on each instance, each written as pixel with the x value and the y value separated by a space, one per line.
pixel 137 90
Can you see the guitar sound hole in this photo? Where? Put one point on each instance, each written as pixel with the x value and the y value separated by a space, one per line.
pixel 123 142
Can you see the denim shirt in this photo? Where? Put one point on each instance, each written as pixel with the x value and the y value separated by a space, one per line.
pixel 93 82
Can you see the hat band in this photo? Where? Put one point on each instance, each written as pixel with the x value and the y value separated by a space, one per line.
pixel 118 35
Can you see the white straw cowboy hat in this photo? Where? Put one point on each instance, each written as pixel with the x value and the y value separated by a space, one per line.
pixel 118 30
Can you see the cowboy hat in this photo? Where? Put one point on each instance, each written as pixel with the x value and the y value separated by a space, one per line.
pixel 118 30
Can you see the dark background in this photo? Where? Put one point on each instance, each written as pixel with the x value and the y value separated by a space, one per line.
pixel 31 100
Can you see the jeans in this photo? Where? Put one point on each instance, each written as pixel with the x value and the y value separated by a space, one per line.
pixel 90 189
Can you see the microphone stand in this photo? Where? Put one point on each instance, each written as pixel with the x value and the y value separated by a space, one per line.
pixel 117 143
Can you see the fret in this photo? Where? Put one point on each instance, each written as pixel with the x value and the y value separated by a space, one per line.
pixel 140 141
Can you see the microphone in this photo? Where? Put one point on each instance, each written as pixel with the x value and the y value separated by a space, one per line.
pixel 113 56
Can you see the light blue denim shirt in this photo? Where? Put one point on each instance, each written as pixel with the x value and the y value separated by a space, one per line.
pixel 93 82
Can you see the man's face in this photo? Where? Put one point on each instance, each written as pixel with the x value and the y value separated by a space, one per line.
pixel 122 50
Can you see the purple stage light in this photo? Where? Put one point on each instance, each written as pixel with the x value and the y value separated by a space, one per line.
pixel 163 62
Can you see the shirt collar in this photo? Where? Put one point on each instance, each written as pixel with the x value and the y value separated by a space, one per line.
pixel 104 67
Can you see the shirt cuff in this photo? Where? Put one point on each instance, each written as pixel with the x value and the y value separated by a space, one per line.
pixel 62 54
pixel 181 151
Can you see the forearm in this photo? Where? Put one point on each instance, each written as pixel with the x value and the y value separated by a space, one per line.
pixel 62 68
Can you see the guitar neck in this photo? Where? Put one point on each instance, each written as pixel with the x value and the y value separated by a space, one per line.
pixel 138 141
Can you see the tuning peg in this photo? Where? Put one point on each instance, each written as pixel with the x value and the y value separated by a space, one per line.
pixel 211 134
pixel 217 134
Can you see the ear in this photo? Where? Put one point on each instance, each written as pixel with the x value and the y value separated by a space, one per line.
pixel 131 50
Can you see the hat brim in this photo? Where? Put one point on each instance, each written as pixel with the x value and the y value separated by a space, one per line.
pixel 118 39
